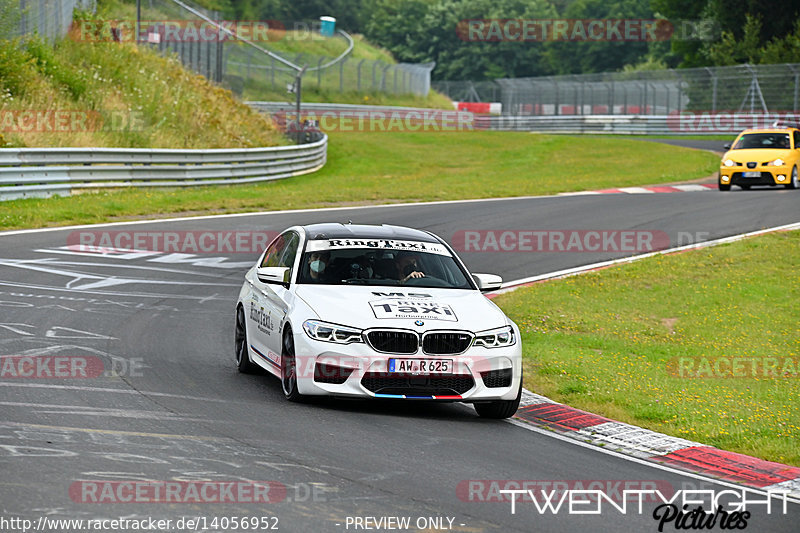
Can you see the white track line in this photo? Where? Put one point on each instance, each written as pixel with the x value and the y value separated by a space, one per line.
pixel 507 287
pixel 533 398
pixel 658 466
pixel 515 284
pixel 323 209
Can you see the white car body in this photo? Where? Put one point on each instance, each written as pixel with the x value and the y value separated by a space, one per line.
pixel 374 353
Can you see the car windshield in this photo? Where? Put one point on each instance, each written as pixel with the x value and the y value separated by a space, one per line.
pixel 327 264
pixel 763 140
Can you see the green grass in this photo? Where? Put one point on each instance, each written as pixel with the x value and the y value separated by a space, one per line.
pixel 715 137
pixel 124 96
pixel 252 86
pixel 606 342
pixel 371 168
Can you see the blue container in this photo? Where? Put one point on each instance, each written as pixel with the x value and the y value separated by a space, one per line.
pixel 327 26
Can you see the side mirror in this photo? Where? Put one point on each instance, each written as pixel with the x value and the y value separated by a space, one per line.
pixel 278 275
pixel 487 282
pixel 727 146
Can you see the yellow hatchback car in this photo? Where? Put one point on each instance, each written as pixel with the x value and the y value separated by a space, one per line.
pixel 769 156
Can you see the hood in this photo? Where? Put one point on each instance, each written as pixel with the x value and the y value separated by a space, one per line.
pixel 760 155
pixel 400 307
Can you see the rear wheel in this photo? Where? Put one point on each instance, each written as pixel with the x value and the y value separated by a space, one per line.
pixel 499 408
pixel 243 362
pixel 794 183
pixel 289 369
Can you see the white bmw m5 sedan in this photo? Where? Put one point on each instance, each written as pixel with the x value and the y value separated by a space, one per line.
pixel 377 312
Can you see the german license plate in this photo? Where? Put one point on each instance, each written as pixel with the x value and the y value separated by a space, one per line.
pixel 421 366
pixel 751 174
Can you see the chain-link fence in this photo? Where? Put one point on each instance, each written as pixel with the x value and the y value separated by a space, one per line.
pixel 50 19
pixel 190 31
pixel 740 88
pixel 469 91
pixel 349 74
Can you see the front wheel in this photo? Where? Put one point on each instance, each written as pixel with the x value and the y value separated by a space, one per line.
pixel 794 183
pixel 722 186
pixel 289 369
pixel 499 408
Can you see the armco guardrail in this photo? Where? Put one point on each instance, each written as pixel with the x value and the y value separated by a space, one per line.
pixel 618 124
pixel 37 172
pixel 675 124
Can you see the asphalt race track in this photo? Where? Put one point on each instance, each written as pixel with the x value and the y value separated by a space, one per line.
pixel 178 409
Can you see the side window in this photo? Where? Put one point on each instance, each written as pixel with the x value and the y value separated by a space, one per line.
pixel 797 140
pixel 274 252
pixel 290 251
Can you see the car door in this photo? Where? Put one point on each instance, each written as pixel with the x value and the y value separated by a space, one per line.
pixel 269 306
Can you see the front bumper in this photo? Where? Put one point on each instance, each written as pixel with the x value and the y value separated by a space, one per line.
pixel 767 175
pixel 356 370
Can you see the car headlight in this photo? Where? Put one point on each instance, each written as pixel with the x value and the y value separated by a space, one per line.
pixel 728 163
pixel 324 331
pixel 777 163
pixel 495 338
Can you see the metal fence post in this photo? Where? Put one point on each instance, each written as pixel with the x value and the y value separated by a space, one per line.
pixel 383 77
pixel 555 97
pixel 713 89
pixel 796 87
pixel 319 72
pixel 23 27
pixel 249 62
pixel 341 74
pixel 138 19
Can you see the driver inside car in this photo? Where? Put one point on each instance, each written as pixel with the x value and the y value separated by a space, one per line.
pixel 408 266
pixel 317 266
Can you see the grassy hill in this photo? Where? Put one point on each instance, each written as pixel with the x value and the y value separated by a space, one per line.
pixel 304 47
pixel 79 93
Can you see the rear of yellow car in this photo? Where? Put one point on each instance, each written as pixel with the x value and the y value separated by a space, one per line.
pixel 762 157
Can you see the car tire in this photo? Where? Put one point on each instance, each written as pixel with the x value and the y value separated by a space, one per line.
pixel 722 186
pixel 500 408
pixel 794 183
pixel 289 369
pixel 243 362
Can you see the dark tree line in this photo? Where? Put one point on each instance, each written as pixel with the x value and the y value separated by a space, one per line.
pixel 719 32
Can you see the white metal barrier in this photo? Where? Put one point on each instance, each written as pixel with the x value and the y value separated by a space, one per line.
pixel 37 172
